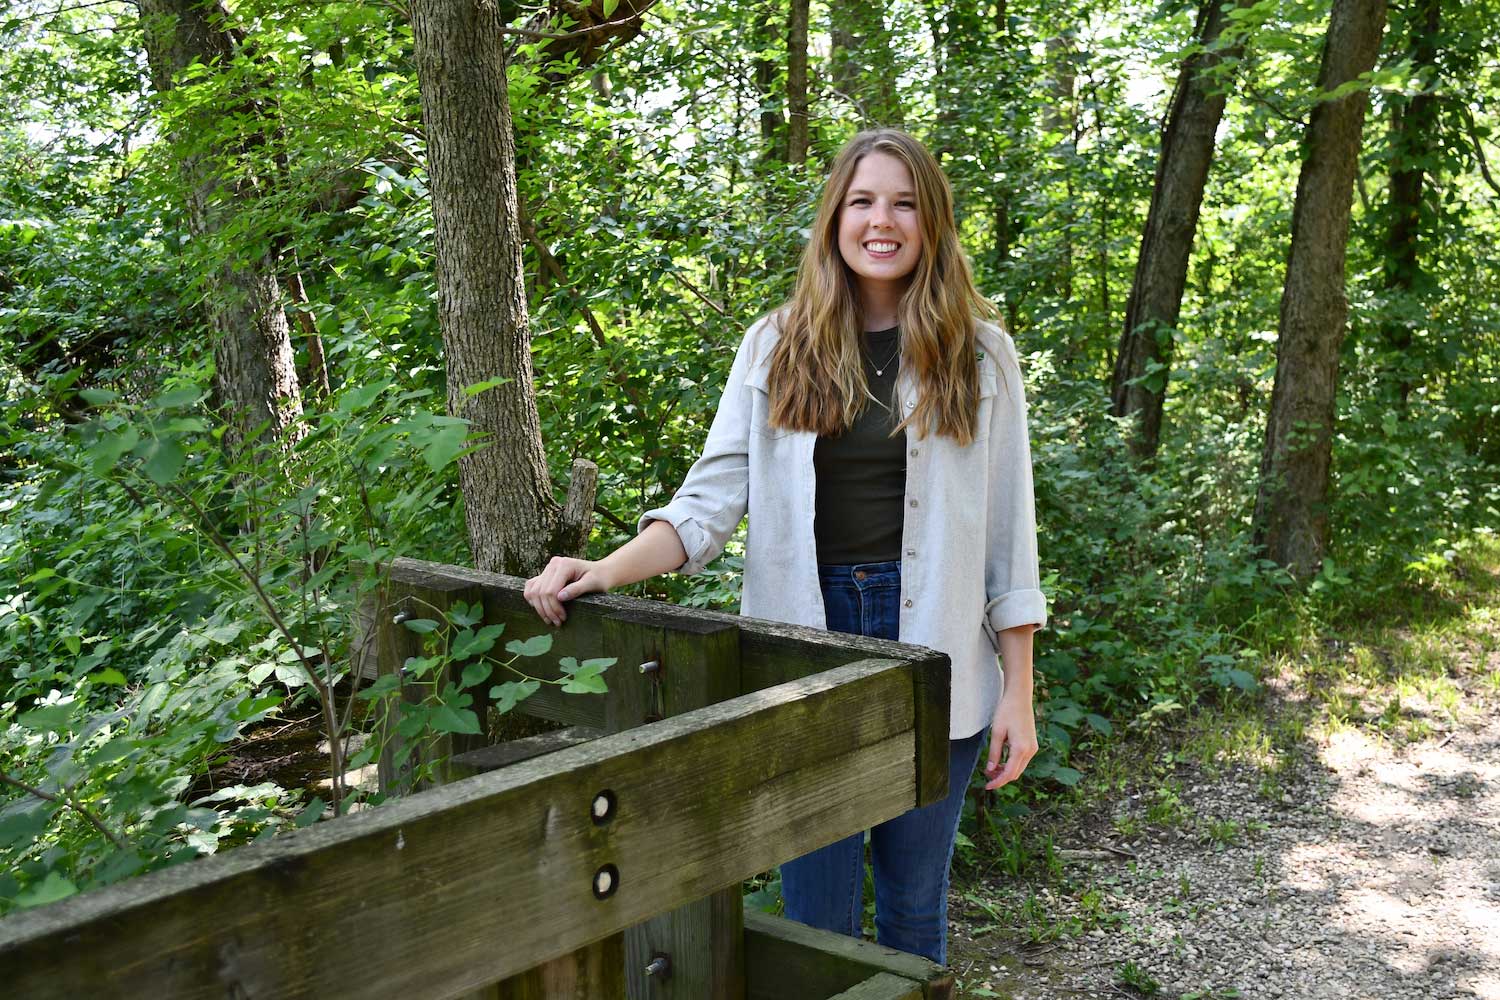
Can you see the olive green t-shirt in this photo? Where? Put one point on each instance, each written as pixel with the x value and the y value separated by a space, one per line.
pixel 861 473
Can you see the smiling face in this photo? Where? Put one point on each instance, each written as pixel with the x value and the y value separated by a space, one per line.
pixel 879 227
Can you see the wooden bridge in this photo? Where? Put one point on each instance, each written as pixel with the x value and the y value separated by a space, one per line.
pixel 602 861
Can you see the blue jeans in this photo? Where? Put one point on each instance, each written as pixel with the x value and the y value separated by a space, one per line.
pixel 911 853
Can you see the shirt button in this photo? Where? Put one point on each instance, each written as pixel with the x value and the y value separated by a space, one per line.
pixel 908 604
pixel 911 552
pixel 914 453
pixel 913 503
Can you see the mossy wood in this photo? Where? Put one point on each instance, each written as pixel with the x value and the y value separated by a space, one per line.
pixel 882 986
pixel 455 888
pixel 789 959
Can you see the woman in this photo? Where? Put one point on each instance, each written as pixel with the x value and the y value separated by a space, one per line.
pixel 875 429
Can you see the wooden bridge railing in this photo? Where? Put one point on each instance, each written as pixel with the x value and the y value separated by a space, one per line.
pixel 564 875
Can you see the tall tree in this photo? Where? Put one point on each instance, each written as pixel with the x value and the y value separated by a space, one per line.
pixel 513 522
pixel 796 82
pixel 255 374
pixel 1413 143
pixel 1142 366
pixel 1291 508
pixel 772 124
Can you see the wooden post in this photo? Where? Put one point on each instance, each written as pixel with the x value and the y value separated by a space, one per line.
pixel 697 951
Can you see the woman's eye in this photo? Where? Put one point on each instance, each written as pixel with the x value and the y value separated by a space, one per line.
pixel 860 201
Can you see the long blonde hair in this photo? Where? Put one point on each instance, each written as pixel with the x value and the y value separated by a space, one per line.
pixel 816 378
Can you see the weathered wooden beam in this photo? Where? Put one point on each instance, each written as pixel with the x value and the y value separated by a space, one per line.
pixel 883 986
pixel 785 958
pixel 451 889
pixel 500 755
pixel 771 653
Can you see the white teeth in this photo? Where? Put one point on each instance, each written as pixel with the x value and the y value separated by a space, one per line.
pixel 881 247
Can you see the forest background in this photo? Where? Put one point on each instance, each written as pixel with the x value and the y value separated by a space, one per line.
pixel 291 290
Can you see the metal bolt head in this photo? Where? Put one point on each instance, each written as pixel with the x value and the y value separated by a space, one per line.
pixel 659 966
pixel 650 667
pixel 401 617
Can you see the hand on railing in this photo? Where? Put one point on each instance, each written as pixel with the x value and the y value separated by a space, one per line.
pixel 563 580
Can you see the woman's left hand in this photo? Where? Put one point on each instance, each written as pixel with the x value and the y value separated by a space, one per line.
pixel 1014 729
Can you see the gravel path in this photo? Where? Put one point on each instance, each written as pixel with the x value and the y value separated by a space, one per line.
pixel 1374 873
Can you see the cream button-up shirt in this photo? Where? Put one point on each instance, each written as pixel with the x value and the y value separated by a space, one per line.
pixel 968 546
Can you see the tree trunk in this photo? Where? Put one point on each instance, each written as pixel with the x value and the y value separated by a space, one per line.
pixel 514 523
pixel 772 125
pixel 1413 141
pixel 317 359
pixel 864 64
pixel 796 83
pixel 1143 364
pixel 255 374
pixel 1291 510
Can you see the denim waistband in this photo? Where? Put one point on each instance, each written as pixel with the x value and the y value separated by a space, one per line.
pixel 861 575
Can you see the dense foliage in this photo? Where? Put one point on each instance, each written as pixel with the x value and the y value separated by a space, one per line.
pixel 159 593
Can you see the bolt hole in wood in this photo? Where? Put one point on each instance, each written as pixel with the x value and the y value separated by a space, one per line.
pixel 606 881
pixel 603 809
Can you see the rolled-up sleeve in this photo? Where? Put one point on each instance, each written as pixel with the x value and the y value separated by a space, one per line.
pixel 1012 575
pixel 711 502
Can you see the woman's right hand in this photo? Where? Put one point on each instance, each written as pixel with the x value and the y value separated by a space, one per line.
pixel 563 580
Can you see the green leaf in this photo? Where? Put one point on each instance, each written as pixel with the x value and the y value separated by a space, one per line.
pixel 1067 714
pixel 1067 776
pixel 105 452
pixel 48 718
pixel 72 643
pixel 466 615
pixel 535 646
pixel 48 890
pixel 97 397
pixel 609 8
pixel 506 696
pixel 109 675
pixel 467 643
pixel 485 386
pixel 449 720
pixel 163 460
pixel 444 445
pixel 422 626
pixel 310 814
pixel 384 684
pixel 1099 724
pixel 581 683
pixel 174 398
pixel 476 673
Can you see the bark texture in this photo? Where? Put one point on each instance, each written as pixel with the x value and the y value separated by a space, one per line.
pixel 796 83
pixel 1413 142
pixel 255 369
pixel 1142 366
pixel 508 503
pixel 1291 510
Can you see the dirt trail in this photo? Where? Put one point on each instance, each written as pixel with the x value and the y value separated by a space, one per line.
pixel 1371 870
